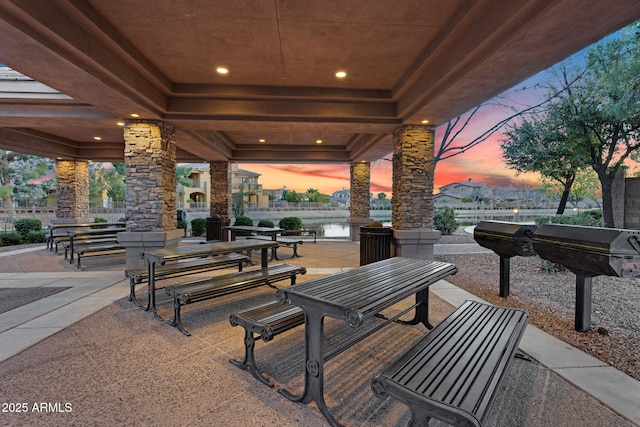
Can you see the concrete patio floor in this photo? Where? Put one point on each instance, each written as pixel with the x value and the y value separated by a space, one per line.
pixel 88 356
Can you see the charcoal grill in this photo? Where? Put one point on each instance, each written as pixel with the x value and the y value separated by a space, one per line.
pixel 589 252
pixel 507 239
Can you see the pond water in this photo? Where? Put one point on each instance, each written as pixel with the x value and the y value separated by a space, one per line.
pixel 335 229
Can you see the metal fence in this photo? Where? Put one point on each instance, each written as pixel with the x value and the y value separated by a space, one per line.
pixel 45 215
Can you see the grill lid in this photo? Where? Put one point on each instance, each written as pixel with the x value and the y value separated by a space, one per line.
pixel 593 250
pixel 506 238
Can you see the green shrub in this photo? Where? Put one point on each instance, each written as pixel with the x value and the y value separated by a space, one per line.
pixel 291 223
pixel 34 236
pixel 24 225
pixel 586 218
pixel 444 220
pixel 98 219
pixel 265 223
pixel 182 224
pixel 198 226
pixel 11 238
pixel 245 221
pixel 551 267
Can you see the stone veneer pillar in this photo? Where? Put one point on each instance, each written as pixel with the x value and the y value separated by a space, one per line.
pixel 220 200
pixel 632 203
pixel 150 160
pixel 72 192
pixel 412 201
pixel 360 198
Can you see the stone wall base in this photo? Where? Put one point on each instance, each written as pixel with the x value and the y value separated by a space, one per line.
pixel 415 243
pixel 136 242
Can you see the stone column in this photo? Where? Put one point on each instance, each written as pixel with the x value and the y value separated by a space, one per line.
pixel 617 199
pixel 220 200
pixel 72 192
pixel 150 160
pixel 360 198
pixel 632 203
pixel 412 201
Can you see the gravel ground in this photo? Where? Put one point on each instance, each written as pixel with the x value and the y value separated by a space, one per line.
pixel 550 300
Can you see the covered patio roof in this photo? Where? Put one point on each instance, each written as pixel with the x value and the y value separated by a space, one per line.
pixel 405 62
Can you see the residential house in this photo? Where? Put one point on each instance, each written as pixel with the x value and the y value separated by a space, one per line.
pixel 466 189
pixel 198 195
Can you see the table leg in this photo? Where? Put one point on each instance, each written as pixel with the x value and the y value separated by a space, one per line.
pixel 274 250
pixel 314 365
pixel 71 249
pixel 422 310
pixel 264 259
pixel 151 291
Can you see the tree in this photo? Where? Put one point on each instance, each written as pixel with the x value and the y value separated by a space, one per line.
pixel 314 196
pixel 6 190
pixel 586 185
pixel 293 197
pixel 16 170
pixel 237 201
pixel 543 146
pixel 106 179
pixel 182 176
pixel 596 112
pixel 602 111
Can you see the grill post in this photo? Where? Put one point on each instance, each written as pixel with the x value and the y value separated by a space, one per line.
pixel 583 302
pixel 505 268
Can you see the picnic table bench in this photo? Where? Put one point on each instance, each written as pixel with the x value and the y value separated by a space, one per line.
pixel 454 372
pixel 96 249
pixel 95 242
pixel 216 286
pixel 88 239
pixel 157 258
pixel 305 232
pixel 265 321
pixel 356 295
pixel 289 243
pixel 55 237
pixel 183 268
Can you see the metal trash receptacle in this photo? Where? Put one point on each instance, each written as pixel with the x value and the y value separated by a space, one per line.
pixel 375 244
pixel 214 226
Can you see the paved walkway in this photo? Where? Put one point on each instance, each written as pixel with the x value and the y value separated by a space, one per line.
pixel 92 358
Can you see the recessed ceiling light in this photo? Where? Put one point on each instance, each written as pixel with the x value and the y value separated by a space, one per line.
pixel 318 141
pixel 262 140
pixel 341 74
pixel 120 123
pixel 135 115
pixel 424 122
pixel 97 138
pixel 222 70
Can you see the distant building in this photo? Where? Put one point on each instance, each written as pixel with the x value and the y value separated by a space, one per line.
pixel 446 198
pixel 198 195
pixel 459 190
pixel 275 194
pixel 343 196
